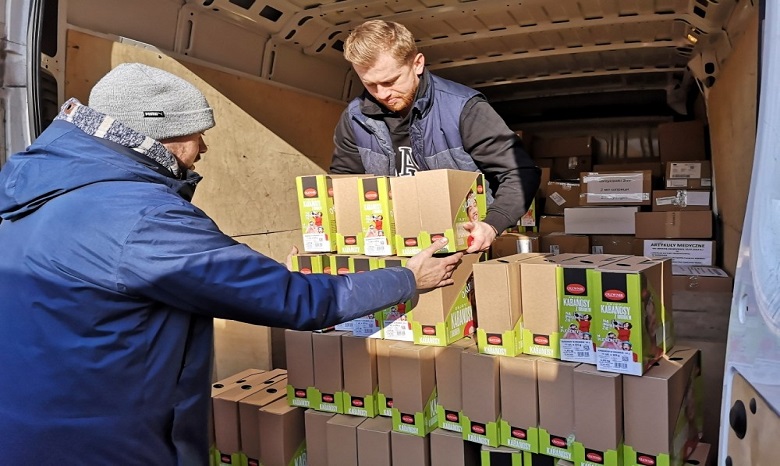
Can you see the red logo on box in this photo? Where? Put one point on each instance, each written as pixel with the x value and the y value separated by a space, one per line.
pixel 310 192
pixel 452 417
pixel 371 195
pixel 300 393
pixel 327 398
pixel 407 419
pixel 614 295
pixel 575 288
pixel 389 403
pixel 428 330
pixel 410 242
pixel 357 402
pixel 330 191
pixel 342 270
pixel 305 270
pixel 644 459
pixel 519 433
pixel 436 237
pixel 326 270
pixel 494 340
pixel 478 429
pixel 595 457
pixel 480 189
pixel 350 240
pixel 542 340
pixel 558 442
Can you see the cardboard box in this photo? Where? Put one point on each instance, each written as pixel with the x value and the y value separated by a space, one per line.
pixel 615 244
pixel 373 438
pixel 328 391
pixel 598 401
pixel 688 175
pixel 443 201
pixel 655 167
pixel 499 308
pixel 282 435
pixel 500 456
pixel 315 205
pixel 346 206
pixel 700 456
pixel 551 224
pixel 371 325
pixel 248 415
pixel 665 200
pixel 615 188
pixel 577 304
pixel 444 315
pixel 527 223
pixel 563 147
pixel 509 244
pixel 544 178
pixel 394 320
pixel 685 224
pixel 341 433
pixel 481 399
pixel 360 376
pixel 413 370
pixel 377 219
pixel 700 278
pixel 316 437
pixel 561 243
pixel 519 403
pixel 683 140
pixel 633 324
pixel 560 195
pixel 227 427
pixel 224 385
pixel 600 220
pixel 681 252
pixel 556 407
pixel 384 376
pixel 567 168
pixel 309 263
pixel 449 449
pixel 299 355
pixel 449 384
pixel 662 410
pixel 410 450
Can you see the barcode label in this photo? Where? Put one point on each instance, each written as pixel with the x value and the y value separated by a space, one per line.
pixel 377 246
pixel 316 242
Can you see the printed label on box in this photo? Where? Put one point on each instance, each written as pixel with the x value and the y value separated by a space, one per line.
pixel 681 252
pixel 684 170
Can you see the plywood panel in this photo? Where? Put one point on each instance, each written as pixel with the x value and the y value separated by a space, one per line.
pixel 732 106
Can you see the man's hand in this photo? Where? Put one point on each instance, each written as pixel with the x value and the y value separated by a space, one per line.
pixel 482 236
pixel 288 261
pixel 432 272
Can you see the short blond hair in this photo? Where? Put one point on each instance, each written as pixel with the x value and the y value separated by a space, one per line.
pixel 367 41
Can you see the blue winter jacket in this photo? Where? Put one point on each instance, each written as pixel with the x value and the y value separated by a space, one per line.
pixel 109 281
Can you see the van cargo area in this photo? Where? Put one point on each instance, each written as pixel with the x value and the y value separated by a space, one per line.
pixel 643 116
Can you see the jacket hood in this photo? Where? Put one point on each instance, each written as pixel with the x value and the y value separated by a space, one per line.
pixel 65 158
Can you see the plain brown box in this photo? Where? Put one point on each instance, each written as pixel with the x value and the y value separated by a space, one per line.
pixel 683 225
pixel 702 283
pixel 373 437
pixel 551 224
pixel 559 195
pixel 539 295
pixel 681 199
pixel 433 306
pixel 282 432
pixel 616 188
pixel 598 400
pixel 316 437
pixel 227 426
pixel 360 365
pixel 248 413
pixel 556 396
pixel 328 369
pixel 449 378
pixel 700 456
pixel 656 168
pixel 406 206
pixel 652 403
pixel 481 398
pixel 563 147
pixel 346 204
pixel 224 385
pixel 681 141
pixel 703 181
pixel 612 220
pixel 413 370
pixel 384 376
pixel 341 435
pixel 410 450
pixel 561 243
pixel 510 243
pixel 616 244
pixel 569 168
pixel 544 179
pixel 497 292
pixel 519 391
pixel 300 358
pixel 449 449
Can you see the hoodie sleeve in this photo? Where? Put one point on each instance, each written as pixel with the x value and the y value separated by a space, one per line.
pixel 177 256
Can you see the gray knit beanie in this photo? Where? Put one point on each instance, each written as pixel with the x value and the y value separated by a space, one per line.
pixel 152 101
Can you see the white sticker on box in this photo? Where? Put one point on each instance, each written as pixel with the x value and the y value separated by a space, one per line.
pixel 698 270
pixel 558 199
pixel 615 188
pixel 676 183
pixel 697 197
pixel 685 170
pixel 377 246
pixel 316 242
pixel 706 182
pixel 680 252
pixel 597 250
pixel 669 200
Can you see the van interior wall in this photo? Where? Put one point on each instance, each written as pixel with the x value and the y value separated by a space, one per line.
pixel 732 114
pixel 249 171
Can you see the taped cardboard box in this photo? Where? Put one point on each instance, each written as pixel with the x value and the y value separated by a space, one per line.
pixel 684 140
pixel 327 394
pixel 681 199
pixel 413 370
pixel 556 407
pixel 561 243
pixel 560 195
pixel 360 375
pixel 373 438
pixel 509 244
pixel 499 307
pixel 282 435
pixel 684 225
pixel 449 449
pixel 681 252
pixel 341 435
pixel 663 437
pixel 615 188
pixel 600 220
pixel 655 167
pixel 688 175
pixel 481 399
pixel 598 400
pixel 248 415
pixel 444 315
pixel 377 218
pixel 316 437
pixel 519 403
pixel 315 206
pixel 616 244
pixel 449 383
pixel 346 206
pixel 701 278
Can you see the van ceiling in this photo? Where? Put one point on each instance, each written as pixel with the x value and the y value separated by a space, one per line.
pixel 533 59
